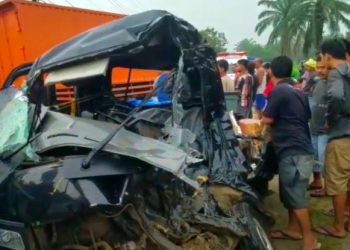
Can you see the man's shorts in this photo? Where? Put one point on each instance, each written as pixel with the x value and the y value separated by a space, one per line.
pixel 294 175
pixel 337 172
pixel 260 102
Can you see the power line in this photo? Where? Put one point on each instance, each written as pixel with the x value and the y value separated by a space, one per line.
pixel 132 6
pixel 69 3
pixel 93 2
pixel 116 4
pixel 121 7
pixel 137 4
pixel 124 6
pixel 47 1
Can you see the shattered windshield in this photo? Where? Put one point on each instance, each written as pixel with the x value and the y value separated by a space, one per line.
pixel 14 124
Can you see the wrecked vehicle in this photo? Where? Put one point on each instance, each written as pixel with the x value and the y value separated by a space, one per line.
pixel 121 177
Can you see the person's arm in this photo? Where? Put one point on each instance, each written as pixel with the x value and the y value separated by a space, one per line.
pixel 308 108
pixel 335 96
pixel 310 84
pixel 224 84
pixel 271 112
pixel 267 120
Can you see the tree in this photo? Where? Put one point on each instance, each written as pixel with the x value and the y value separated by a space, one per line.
pixel 282 16
pixel 323 14
pixel 301 23
pixel 267 52
pixel 217 40
pixel 347 35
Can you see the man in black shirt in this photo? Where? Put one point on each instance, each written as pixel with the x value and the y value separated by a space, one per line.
pixel 288 113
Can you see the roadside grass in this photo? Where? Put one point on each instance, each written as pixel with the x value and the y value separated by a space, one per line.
pixel 318 207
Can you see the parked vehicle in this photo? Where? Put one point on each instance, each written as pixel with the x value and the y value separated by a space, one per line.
pixel 121 177
pixel 232 58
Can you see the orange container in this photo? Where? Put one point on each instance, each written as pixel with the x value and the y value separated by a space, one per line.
pixel 29 29
pixel 251 127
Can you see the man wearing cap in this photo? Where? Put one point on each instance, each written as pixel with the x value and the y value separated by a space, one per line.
pixel 310 76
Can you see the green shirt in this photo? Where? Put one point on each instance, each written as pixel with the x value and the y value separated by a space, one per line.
pixel 296 73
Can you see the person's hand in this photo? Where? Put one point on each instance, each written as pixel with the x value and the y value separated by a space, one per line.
pixel 266 133
pixel 298 86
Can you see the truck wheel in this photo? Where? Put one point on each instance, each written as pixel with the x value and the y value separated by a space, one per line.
pixel 261 240
pixel 256 225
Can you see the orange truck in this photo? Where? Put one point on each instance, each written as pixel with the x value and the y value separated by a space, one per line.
pixel 28 29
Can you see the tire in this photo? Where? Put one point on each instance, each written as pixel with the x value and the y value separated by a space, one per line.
pixel 264 242
pixel 256 226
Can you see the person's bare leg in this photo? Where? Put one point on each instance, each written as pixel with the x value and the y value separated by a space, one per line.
pixel 338 228
pixel 259 114
pixel 293 227
pixel 347 205
pixel 317 180
pixel 347 210
pixel 292 230
pixel 303 218
pixel 339 210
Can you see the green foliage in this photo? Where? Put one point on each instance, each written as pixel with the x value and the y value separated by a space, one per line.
pixel 217 40
pixel 347 35
pixel 282 15
pixel 255 49
pixel 301 24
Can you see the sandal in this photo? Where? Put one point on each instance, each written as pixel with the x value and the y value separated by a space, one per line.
pixel 327 232
pixel 347 226
pixel 283 235
pixel 319 193
pixel 318 246
pixel 330 212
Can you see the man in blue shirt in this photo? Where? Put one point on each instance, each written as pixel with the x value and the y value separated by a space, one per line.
pixel 288 113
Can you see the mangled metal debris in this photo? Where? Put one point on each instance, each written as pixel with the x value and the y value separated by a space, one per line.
pixel 158 178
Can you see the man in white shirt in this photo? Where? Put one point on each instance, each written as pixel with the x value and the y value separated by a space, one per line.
pixel 227 83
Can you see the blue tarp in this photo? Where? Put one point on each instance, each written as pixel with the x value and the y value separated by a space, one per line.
pixel 150 103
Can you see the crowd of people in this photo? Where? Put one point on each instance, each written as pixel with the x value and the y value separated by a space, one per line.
pixel 309 120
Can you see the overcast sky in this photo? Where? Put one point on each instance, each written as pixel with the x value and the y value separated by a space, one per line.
pixel 236 18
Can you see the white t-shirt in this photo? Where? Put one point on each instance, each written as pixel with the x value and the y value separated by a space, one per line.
pixel 228 84
pixel 262 87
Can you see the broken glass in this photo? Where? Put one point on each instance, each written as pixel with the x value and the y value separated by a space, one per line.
pixel 14 124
